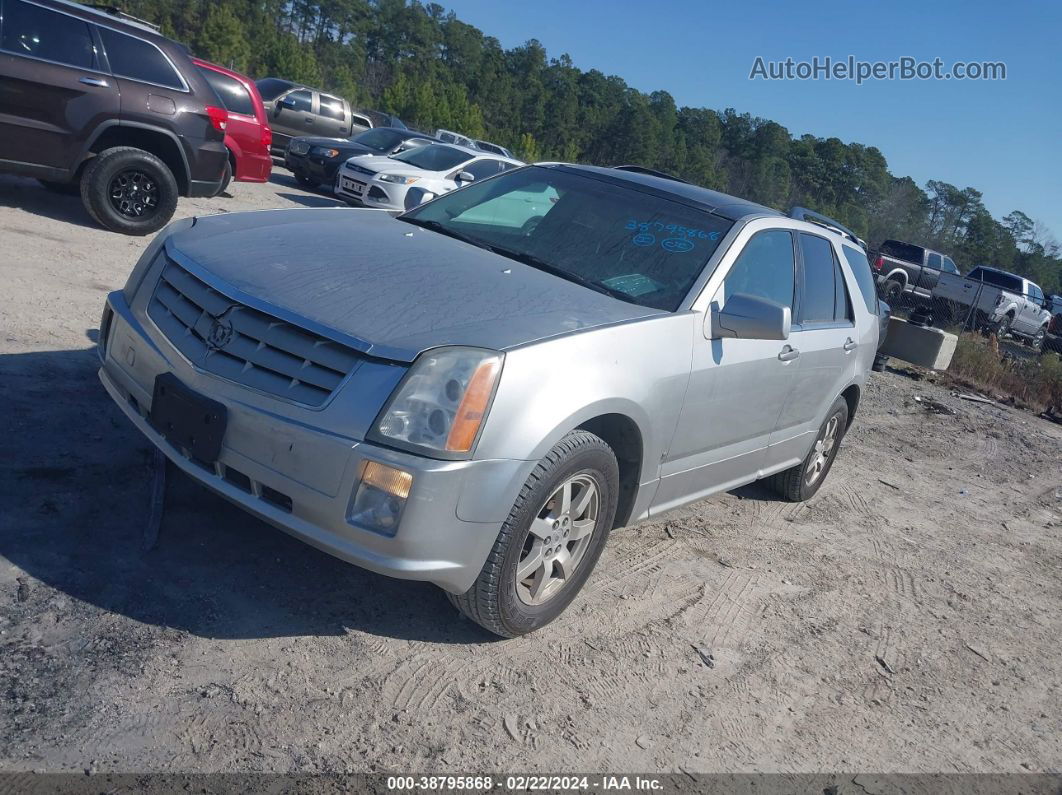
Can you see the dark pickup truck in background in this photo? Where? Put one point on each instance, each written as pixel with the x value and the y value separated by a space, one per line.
pixel 905 268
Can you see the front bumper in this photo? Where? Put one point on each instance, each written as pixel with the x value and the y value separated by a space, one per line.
pixel 372 193
pixel 318 169
pixel 280 466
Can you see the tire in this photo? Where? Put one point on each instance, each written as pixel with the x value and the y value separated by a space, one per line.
pixel 65 188
pixel 226 178
pixel 792 484
pixel 1002 328
pixel 1036 342
pixel 880 363
pixel 892 292
pixel 148 191
pixel 504 604
pixel 306 182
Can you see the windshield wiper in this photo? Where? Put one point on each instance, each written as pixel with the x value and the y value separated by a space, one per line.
pixel 442 229
pixel 540 264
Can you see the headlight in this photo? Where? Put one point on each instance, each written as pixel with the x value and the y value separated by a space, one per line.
pixel 298 147
pixel 442 402
pixel 151 254
pixel 397 179
pixel 325 151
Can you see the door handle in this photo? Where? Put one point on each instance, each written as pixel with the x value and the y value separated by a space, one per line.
pixel 788 354
pixel 93 81
pixel 849 345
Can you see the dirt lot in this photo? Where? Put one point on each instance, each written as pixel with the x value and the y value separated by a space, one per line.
pixel 906 619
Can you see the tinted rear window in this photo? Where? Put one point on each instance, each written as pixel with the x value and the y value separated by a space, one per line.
pixel 902 251
pixel 1005 281
pixel 270 87
pixel 137 60
pixel 230 91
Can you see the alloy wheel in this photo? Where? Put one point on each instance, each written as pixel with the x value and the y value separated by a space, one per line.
pixel 558 539
pixel 823 449
pixel 134 193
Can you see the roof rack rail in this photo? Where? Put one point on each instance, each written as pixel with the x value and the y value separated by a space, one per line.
pixel 115 11
pixel 651 172
pixel 812 217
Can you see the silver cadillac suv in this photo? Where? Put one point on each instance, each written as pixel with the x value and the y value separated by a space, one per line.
pixel 475 393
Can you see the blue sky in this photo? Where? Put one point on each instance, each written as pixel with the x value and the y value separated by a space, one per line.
pixel 1002 137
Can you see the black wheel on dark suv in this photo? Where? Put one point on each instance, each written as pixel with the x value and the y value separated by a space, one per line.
pixel 129 190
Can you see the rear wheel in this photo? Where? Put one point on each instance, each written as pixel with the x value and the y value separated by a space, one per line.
pixel 551 541
pixel 1002 328
pixel 1036 342
pixel 129 190
pixel 226 178
pixel 892 292
pixel 800 483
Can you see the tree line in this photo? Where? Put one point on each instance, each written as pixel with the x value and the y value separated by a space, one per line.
pixel 426 66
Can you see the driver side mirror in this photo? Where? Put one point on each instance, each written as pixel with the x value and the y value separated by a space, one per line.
pixel 465 176
pixel 286 102
pixel 749 317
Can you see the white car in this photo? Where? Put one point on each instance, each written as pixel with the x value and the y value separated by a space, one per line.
pixel 404 180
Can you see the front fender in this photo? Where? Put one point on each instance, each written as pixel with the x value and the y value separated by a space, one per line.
pixel 637 369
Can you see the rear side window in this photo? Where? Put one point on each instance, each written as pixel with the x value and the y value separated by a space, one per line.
pixel 40 33
pixel 137 60
pixel 857 260
pixel 934 261
pixel 230 91
pixel 332 108
pixel 824 295
pixel 764 268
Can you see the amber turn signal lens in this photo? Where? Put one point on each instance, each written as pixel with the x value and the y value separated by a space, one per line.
pixel 387 479
pixel 473 406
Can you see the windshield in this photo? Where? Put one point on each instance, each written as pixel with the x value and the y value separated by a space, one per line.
pixel 270 87
pixel 433 158
pixel 379 140
pixel 640 247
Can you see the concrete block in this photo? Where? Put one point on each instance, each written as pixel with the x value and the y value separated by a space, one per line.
pixel 926 347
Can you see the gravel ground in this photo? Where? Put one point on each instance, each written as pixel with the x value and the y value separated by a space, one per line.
pixel 905 619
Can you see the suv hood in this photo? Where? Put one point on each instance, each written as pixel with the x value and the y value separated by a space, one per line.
pixel 386 287
pixel 345 146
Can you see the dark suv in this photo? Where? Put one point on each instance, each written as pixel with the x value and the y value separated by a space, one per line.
pixel 100 101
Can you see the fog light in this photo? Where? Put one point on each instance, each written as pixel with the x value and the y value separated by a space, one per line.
pixel 380 497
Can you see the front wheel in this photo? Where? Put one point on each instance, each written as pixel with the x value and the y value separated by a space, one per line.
pixel 306 182
pixel 551 541
pixel 800 483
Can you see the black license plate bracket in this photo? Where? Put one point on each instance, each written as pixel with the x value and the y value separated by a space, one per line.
pixel 188 420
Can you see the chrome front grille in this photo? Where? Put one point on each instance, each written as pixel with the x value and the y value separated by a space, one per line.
pixel 225 337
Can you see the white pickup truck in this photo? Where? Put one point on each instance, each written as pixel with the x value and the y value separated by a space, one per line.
pixel 1005 302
